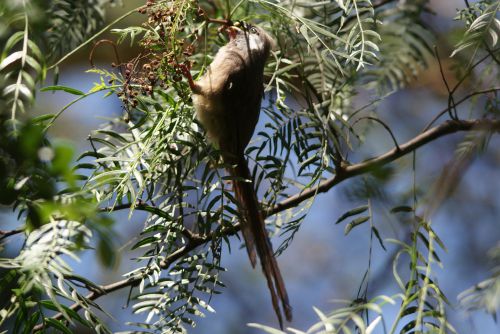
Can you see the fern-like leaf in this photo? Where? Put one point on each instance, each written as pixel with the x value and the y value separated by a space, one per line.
pixel 21 66
pixel 483 27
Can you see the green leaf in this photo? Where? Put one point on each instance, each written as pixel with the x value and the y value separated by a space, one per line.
pixel 59 325
pixel 402 208
pixel 71 313
pixel 12 41
pixel 11 59
pixel 63 88
pixel 145 241
pixel 106 251
pixel 377 235
pixel 351 213
pixel 355 223
pixel 41 119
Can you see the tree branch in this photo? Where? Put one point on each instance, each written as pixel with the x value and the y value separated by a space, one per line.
pixel 6 234
pixel 344 173
pixel 102 290
pixel 347 172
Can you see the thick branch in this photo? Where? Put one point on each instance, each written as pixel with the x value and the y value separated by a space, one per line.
pixel 346 172
pixel 135 280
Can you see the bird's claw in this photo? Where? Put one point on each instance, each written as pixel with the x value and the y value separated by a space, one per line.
pixel 185 69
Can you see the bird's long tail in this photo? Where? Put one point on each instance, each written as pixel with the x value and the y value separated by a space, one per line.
pixel 254 232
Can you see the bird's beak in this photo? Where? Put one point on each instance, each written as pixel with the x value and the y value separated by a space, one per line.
pixel 232 31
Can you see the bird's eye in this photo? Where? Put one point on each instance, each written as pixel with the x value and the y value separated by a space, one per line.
pixel 253 30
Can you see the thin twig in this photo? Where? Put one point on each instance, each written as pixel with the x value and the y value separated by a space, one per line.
pixel 6 234
pixel 465 98
pixel 381 123
pixel 102 41
pixel 451 101
pixel 466 75
pixel 492 53
pixel 90 139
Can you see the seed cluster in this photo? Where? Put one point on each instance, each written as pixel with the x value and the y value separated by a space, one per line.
pixel 140 81
pixel 167 47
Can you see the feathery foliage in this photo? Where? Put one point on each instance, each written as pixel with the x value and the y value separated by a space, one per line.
pixel 484 295
pixel 153 156
pixel 483 26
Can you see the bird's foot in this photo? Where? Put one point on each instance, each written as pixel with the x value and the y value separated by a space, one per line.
pixel 185 69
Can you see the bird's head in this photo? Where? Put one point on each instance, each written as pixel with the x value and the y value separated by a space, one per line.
pixel 250 38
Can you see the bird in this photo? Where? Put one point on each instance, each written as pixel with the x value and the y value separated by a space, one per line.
pixel 227 100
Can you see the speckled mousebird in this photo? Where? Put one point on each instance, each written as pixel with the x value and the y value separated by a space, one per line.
pixel 227 101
